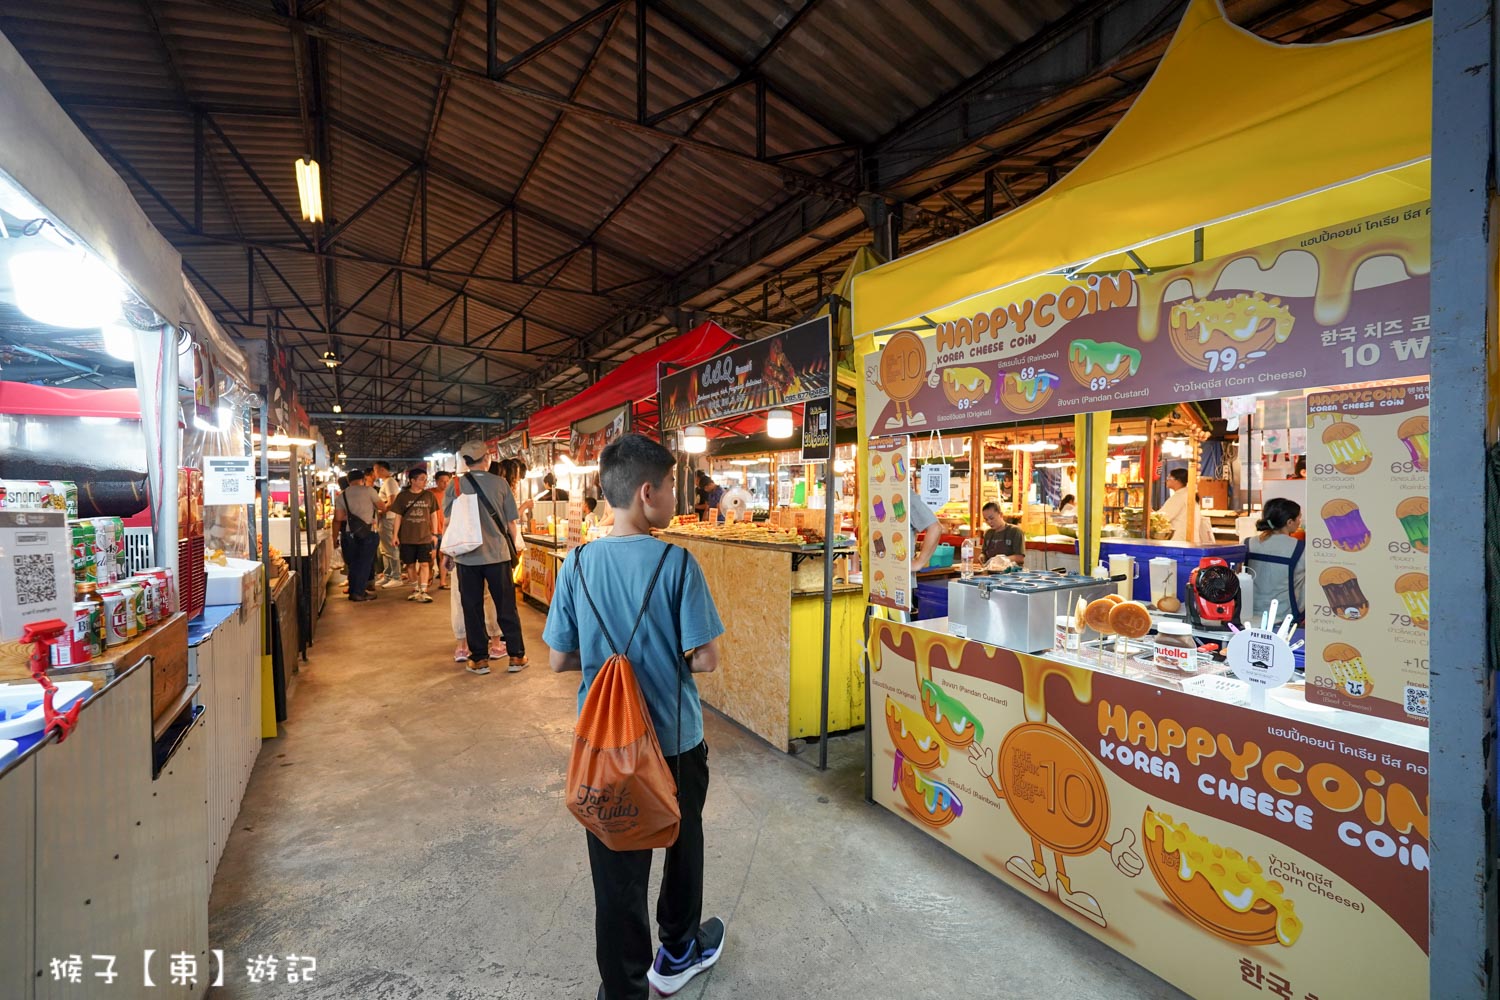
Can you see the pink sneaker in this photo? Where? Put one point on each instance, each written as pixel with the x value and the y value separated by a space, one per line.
pixel 461 653
pixel 497 649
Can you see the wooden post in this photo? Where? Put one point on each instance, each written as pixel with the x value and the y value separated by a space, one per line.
pixel 1148 475
pixel 976 482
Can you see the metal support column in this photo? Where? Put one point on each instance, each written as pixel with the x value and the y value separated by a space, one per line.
pixel 1461 895
pixel 830 526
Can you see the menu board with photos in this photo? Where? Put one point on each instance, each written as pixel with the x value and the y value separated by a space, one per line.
pixel 891 544
pixel 1367 536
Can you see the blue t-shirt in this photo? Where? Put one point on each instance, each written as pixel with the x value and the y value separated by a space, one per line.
pixel 681 616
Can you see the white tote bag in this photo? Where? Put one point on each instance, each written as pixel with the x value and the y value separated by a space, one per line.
pixel 463 533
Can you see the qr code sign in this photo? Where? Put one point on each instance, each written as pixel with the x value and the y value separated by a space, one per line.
pixel 1261 653
pixel 1416 701
pixel 36 579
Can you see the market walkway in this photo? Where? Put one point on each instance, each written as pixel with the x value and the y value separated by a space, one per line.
pixel 406 832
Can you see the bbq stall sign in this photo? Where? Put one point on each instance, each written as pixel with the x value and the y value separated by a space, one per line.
pixel 790 367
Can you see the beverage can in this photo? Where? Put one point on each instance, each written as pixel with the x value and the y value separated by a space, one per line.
pixel 135 608
pixel 85 569
pixel 161 579
pixel 146 604
pixel 116 616
pixel 88 623
pixel 67 651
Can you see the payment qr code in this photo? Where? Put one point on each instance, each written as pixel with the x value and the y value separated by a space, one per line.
pixel 1416 701
pixel 36 579
pixel 1260 652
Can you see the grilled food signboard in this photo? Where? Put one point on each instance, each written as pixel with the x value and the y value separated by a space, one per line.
pixel 791 367
pixel 1345 304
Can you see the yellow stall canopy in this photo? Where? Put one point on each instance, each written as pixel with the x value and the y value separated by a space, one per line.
pixel 1250 140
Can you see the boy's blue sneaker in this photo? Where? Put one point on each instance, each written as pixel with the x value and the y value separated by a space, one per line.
pixel 671 973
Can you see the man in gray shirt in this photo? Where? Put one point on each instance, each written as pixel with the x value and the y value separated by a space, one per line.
pixel 354 514
pixel 490 564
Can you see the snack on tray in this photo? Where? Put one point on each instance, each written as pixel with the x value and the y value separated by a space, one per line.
pixel 1413 434
pixel 1412 589
pixel 1096 615
pixel 1216 887
pixel 1345 524
pixel 1346 444
pixel 1130 619
pixel 1341 588
pixel 1169 604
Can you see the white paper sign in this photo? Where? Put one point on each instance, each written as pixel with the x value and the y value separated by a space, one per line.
pixel 937 480
pixel 228 480
pixel 1260 659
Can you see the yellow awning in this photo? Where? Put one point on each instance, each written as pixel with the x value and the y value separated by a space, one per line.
pixel 1229 123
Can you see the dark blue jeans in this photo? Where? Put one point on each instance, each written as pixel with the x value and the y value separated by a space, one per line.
pixel 472 581
pixel 359 556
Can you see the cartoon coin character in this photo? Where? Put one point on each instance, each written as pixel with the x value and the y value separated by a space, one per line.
pixel 1056 793
pixel 902 372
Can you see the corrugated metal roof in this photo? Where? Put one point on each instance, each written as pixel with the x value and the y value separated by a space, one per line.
pixel 500 224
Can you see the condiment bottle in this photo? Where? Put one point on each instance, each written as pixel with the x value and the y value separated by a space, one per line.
pixel 967 570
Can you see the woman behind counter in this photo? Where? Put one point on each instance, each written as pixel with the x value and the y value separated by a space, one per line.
pixel 1275 559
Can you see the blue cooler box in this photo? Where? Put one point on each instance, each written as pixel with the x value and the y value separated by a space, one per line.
pixel 1186 556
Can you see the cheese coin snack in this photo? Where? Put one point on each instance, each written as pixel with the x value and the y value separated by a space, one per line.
pixel 1216 887
pixel 1413 434
pixel 1348 668
pixel 1242 324
pixel 1412 589
pixel 1345 524
pixel 1341 588
pixel 1351 455
pixel 914 737
pixel 963 385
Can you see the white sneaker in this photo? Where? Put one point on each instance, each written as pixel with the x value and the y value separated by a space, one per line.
pixel 423 597
pixel 387 585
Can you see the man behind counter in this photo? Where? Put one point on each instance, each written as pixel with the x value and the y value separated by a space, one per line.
pixel 1004 537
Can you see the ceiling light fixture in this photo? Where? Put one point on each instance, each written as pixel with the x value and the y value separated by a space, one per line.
pixel 331 360
pixel 310 190
pixel 67 288
pixel 779 423
pixel 694 440
pixel 337 408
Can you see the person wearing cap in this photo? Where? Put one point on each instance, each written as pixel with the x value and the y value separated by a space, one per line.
pixel 488 566
pixel 354 516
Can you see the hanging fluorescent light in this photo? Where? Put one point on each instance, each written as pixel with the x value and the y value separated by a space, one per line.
pixel 779 423
pixel 310 190
pixel 337 408
pixel 67 288
pixel 1127 438
pixel 694 440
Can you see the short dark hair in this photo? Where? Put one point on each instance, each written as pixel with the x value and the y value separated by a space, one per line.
pixel 494 469
pixel 630 463
pixel 356 475
pixel 381 465
pixel 991 506
pixel 549 480
pixel 343 482
pixel 704 477
pixel 592 503
pixel 416 470
pixel 1180 475
pixel 441 473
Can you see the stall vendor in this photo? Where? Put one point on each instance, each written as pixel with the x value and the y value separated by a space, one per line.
pixel 1004 537
pixel 1275 557
pixel 1177 506
pixel 710 495
pixel 925 523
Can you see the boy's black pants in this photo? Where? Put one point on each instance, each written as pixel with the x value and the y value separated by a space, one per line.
pixel 622 924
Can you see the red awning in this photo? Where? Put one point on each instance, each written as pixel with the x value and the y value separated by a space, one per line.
pixel 50 401
pixel 634 380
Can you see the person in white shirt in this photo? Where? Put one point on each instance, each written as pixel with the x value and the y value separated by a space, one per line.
pixel 390 555
pixel 1176 508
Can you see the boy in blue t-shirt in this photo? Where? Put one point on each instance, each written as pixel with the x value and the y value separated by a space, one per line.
pixel 677 637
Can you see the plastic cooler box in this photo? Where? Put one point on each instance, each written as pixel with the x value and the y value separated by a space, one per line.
pixel 1187 558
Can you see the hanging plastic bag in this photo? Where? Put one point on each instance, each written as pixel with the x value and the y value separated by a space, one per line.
pixel 463 533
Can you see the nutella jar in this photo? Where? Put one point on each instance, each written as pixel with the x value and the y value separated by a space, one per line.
pixel 1175 650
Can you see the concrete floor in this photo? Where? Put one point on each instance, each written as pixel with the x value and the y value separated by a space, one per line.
pixel 406 831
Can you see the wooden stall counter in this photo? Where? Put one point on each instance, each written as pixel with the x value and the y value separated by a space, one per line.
pixel 770 674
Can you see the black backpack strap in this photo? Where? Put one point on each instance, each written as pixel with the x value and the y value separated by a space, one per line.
pixel 640 615
pixel 484 502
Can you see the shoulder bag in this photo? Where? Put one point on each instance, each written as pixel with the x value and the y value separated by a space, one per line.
pixel 501 526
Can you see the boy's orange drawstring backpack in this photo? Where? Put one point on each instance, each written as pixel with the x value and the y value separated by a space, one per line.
pixel 619 786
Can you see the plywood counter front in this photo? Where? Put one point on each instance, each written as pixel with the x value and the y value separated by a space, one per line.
pixel 770 674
